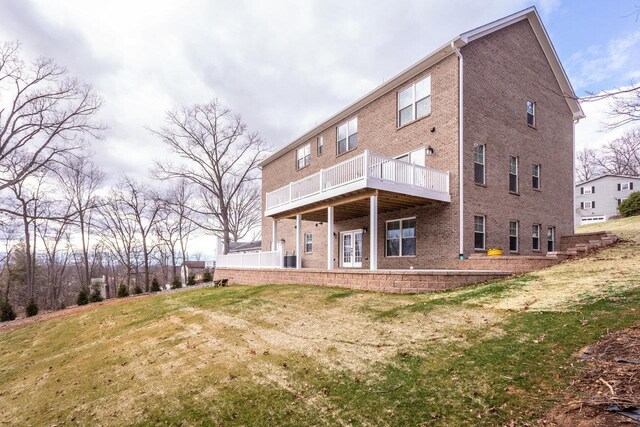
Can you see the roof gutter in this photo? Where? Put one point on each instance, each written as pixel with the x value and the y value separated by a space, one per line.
pixel 460 147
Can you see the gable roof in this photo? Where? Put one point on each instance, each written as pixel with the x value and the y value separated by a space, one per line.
pixel 606 175
pixel 439 54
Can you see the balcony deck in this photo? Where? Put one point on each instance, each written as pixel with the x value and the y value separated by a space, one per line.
pixel 365 171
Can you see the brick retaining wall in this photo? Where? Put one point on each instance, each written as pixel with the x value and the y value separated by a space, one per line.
pixel 391 281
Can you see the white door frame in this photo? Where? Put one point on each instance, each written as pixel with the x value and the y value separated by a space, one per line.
pixel 352 259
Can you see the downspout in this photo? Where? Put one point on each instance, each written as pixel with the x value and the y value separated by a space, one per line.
pixel 573 178
pixel 460 146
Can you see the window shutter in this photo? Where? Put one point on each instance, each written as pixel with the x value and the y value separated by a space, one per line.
pixel 631 186
pixel 581 205
pixel 581 190
pixel 593 205
pixel 618 187
pixel 593 189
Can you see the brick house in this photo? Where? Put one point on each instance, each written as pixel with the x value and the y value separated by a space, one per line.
pixel 378 185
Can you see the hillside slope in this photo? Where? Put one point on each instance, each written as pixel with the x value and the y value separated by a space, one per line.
pixel 299 355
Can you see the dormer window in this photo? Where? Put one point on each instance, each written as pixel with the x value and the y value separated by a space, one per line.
pixel 414 101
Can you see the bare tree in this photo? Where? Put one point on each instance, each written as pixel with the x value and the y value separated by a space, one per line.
pixel 216 153
pixel 80 180
pixel 30 203
pixel 44 115
pixel 144 207
pixel 9 233
pixel 624 108
pixel 586 167
pixel 245 214
pixel 618 157
pixel 181 198
pixel 621 156
pixel 55 239
pixel 119 233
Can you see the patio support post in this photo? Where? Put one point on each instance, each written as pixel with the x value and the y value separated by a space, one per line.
pixel 274 235
pixel 330 238
pixel 373 232
pixel 298 241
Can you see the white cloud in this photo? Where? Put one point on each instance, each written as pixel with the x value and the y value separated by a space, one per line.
pixel 598 63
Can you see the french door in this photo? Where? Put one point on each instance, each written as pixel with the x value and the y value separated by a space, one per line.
pixel 351 249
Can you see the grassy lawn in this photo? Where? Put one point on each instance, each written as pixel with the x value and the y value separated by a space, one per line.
pixel 298 355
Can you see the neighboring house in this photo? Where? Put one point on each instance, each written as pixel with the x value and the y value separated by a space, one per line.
pixel 378 184
pixel 196 269
pixel 245 247
pixel 597 199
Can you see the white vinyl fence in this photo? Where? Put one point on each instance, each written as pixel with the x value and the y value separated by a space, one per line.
pixel 270 259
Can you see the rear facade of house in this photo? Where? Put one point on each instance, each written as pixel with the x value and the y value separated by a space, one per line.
pixel 378 186
pixel 597 199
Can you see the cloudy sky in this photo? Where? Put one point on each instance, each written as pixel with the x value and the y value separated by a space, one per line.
pixel 287 65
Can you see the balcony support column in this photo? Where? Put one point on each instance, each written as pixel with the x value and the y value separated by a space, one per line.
pixel 274 235
pixel 373 232
pixel 298 241
pixel 330 238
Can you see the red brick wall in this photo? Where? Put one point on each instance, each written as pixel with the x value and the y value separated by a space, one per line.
pixel 501 72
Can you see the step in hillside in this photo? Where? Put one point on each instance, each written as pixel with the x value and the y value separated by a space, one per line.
pixel 582 244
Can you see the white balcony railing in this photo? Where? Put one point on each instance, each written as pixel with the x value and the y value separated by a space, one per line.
pixel 369 168
pixel 271 259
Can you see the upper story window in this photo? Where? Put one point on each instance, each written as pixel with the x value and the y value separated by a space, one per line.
pixel 478 163
pixel 303 156
pixel 535 173
pixel 531 113
pixel 320 145
pixel 624 186
pixel 588 205
pixel 588 190
pixel 348 136
pixel 414 101
pixel 513 174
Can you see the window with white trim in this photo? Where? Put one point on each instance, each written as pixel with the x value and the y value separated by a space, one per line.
pixel 320 145
pixel 535 174
pixel 535 244
pixel 347 135
pixel 478 163
pixel 308 242
pixel 620 201
pixel 588 205
pixel 624 186
pixel 551 239
pixel 303 156
pixel 513 174
pixel 401 237
pixel 513 236
pixel 531 113
pixel 587 190
pixel 478 232
pixel 414 101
